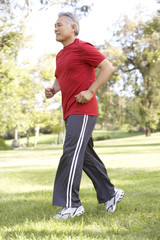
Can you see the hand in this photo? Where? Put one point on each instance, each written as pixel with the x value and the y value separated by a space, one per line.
pixel 49 92
pixel 84 96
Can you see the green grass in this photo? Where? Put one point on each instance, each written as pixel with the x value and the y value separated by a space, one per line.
pixel 26 184
pixel 51 139
pixel 4 146
pixel 42 139
pixel 115 134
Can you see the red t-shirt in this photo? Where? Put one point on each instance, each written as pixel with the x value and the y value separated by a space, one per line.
pixel 75 71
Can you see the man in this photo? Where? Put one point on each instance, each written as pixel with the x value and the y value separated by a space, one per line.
pixel 75 77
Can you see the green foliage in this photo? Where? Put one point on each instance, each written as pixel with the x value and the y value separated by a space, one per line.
pixel 17 97
pixel 111 109
pixel 124 132
pixel 138 62
pixel 3 145
pixel 46 67
pixel 102 137
pixel 152 26
pixel 14 14
pixel 11 42
pixel 22 92
pixel 22 86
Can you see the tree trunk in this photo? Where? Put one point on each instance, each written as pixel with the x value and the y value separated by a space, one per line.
pixel 28 133
pixel 16 135
pixel 148 131
pixel 58 139
pixel 36 135
pixel 15 143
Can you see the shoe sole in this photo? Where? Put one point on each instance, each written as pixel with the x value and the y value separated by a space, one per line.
pixel 78 212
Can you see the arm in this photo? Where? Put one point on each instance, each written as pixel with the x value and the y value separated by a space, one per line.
pixel 106 70
pixel 50 92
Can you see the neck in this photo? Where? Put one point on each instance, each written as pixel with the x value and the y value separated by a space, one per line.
pixel 68 42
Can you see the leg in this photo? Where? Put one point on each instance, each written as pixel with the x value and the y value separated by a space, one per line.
pixel 96 171
pixel 66 187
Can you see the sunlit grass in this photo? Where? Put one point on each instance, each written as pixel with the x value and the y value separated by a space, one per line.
pixel 26 186
pixel 51 139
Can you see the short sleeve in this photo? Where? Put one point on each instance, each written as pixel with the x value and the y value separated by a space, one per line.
pixel 56 74
pixel 90 55
pixel 56 67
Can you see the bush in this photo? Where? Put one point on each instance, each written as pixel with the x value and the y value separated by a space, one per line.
pixel 102 137
pixel 3 145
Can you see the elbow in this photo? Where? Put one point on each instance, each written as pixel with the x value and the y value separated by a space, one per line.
pixel 106 67
pixel 112 69
pixel 109 67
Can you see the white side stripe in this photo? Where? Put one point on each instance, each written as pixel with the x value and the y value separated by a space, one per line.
pixel 81 141
pixel 74 162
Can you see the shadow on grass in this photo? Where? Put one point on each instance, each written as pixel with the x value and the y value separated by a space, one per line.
pixel 129 145
pixel 137 214
pixel 106 145
pixel 74 234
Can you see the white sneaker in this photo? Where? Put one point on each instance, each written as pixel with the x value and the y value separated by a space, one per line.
pixel 110 205
pixel 69 212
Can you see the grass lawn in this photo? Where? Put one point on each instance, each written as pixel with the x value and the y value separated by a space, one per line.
pixel 26 184
pixel 45 139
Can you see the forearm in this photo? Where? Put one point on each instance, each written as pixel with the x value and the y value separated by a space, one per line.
pixel 50 92
pixel 106 70
pixel 56 86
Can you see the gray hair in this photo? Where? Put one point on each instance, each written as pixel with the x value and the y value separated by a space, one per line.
pixel 73 19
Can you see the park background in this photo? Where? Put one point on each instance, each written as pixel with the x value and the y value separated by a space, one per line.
pixel 127 132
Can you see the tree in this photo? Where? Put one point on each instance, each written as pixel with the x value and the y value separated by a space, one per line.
pixel 17 98
pixel 111 105
pixel 10 74
pixel 16 13
pixel 53 123
pixel 139 65
pixel 22 86
pixel 111 110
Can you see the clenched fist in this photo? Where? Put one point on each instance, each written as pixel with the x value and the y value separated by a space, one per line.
pixel 84 96
pixel 49 92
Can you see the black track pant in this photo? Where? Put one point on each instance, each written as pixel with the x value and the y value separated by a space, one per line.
pixel 78 155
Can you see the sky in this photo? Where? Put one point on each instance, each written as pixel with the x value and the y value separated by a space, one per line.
pixel 93 28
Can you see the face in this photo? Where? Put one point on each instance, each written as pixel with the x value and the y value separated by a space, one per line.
pixel 64 30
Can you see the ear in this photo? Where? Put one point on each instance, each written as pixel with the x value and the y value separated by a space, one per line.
pixel 73 27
